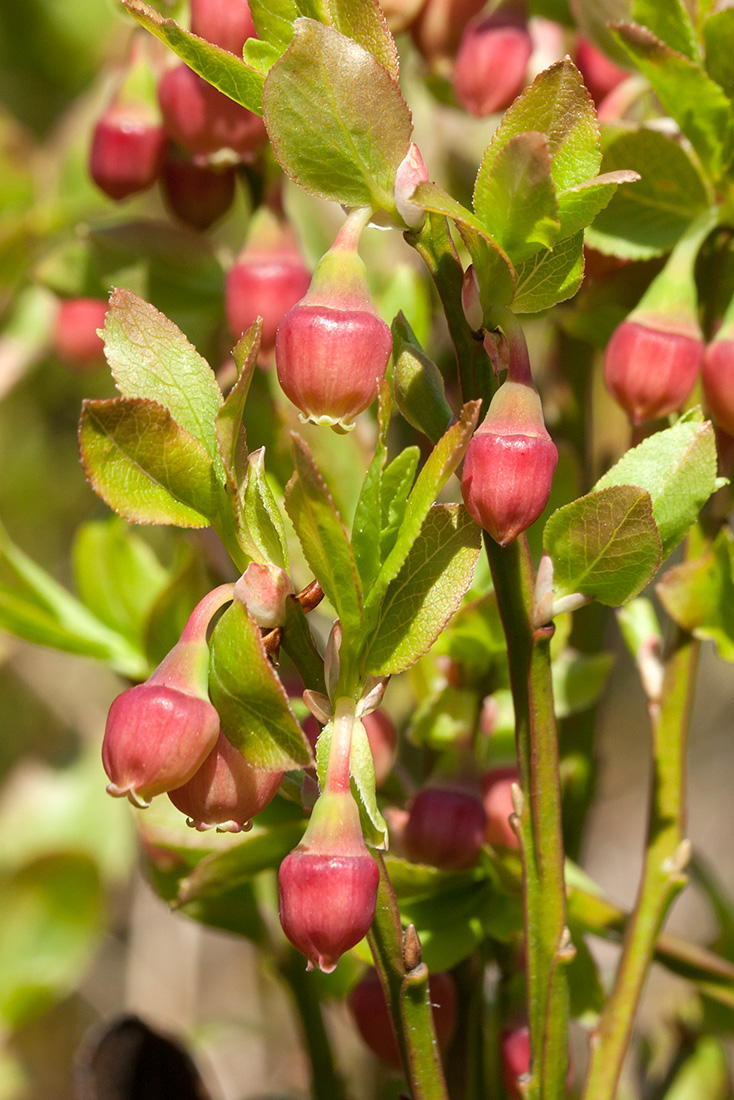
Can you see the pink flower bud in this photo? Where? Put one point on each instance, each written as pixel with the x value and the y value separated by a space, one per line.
pixel 263 589
pixel 601 74
pixel 267 279
pixel 203 120
pixel 75 337
pixel 509 464
pixel 332 348
pixel 718 382
pixel 226 23
pixel 372 1016
pixel 159 733
pixel 651 365
pixel 197 194
pixel 515 1054
pixel 225 791
pixel 440 24
pixel 328 884
pixel 127 152
pixel 445 829
pixel 497 800
pixel 491 64
pixel 411 171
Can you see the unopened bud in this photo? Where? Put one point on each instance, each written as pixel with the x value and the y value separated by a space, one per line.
pixel 267 279
pixel 332 348
pixel 445 828
pixel 718 381
pixel 411 171
pixel 509 464
pixel 226 23
pixel 198 194
pixel 76 340
pixel 491 65
pixel 225 791
pixel 372 1016
pixel 651 365
pixel 264 589
pixel 128 145
pixel 204 120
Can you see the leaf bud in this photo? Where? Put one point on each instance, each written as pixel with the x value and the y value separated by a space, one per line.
pixel 202 119
pixel 197 193
pixel 445 828
pixel 327 886
pixel 498 805
pixel 374 1023
pixel 411 171
pixel 225 791
pixel 332 348
pixel 226 23
pixel 75 338
pixel 264 589
pixel 266 280
pixel 509 464
pixel 491 65
pixel 159 733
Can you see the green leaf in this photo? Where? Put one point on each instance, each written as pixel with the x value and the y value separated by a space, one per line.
pixel 427 591
pixel 118 576
pixel 298 643
pixel 324 539
pixel 705 1072
pixel 678 468
pixel 337 121
pixel 699 594
pixel 35 607
pixel 605 544
pixel 366 526
pixel 254 709
pixel 550 276
pixel 228 427
pixel 258 850
pixel 52 918
pixel 150 358
pixel 516 197
pixel 419 387
pixel 365 22
pixel 441 463
pixel 217 66
pixel 396 485
pixel 579 206
pixel 494 271
pixel 671 23
pixel 578 680
pixel 446 718
pixel 688 94
pixel 558 105
pixel 274 20
pixel 718 37
pixel 261 516
pixel 144 465
pixel 646 220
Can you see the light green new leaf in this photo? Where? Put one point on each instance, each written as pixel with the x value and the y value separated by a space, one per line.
pixel 144 465
pixel 118 576
pixel 558 105
pixel 718 36
pixel 671 23
pixel 365 22
pixel 699 594
pixel 228 427
pixel 605 544
pixel 579 206
pixel 226 72
pixel 253 706
pixel 366 525
pixel 551 276
pixel 35 607
pixel 324 539
pixel 678 468
pixel 150 358
pixel 516 198
pixel 261 516
pixel 578 680
pixel 441 463
pixel 427 590
pixel 646 220
pixel 688 94
pixel 274 21
pixel 337 120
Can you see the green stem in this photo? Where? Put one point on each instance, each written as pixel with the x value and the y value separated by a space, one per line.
pixel 406 991
pixel 435 246
pixel 662 878
pixel 326 1083
pixel 546 937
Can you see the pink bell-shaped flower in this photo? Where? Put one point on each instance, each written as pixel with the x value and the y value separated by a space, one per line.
pixel 159 733
pixel 445 828
pixel 75 338
pixel 202 119
pixel 332 349
pixel 374 1023
pixel 226 23
pixel 491 65
pixel 195 192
